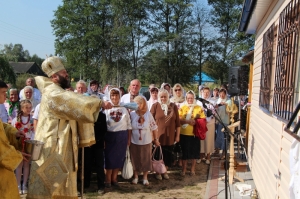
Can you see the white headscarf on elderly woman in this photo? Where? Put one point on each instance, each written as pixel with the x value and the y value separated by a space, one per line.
pixel 164 106
pixel 191 106
pixel 31 99
pixel 175 98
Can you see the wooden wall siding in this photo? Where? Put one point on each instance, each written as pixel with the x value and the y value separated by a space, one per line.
pixel 286 61
pixel 268 143
pixel 266 67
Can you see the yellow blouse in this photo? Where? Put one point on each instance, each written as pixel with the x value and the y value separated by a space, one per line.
pixel 198 112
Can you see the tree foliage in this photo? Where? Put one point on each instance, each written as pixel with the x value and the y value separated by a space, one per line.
pixel 155 41
pixel 230 44
pixel 16 53
pixel 6 71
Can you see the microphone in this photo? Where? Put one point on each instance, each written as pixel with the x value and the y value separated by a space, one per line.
pixel 203 100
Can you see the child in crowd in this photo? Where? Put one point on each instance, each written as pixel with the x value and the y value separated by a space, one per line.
pixel 24 122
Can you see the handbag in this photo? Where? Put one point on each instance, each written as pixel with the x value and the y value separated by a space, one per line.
pixel 127 171
pixel 158 165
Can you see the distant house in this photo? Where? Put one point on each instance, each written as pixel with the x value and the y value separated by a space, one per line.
pixel 26 67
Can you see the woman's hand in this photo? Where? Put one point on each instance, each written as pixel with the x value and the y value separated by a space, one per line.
pixel 156 143
pixel 191 122
pixel 128 142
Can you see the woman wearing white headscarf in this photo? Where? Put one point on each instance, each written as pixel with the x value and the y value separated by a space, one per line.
pixel 27 93
pixel 223 115
pixel 166 116
pixel 178 97
pixel 190 144
pixel 117 137
pixel 144 129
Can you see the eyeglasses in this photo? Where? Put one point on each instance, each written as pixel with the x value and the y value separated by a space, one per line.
pixel 177 90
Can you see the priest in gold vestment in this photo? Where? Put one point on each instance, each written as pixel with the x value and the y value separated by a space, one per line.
pixel 63 117
pixel 10 158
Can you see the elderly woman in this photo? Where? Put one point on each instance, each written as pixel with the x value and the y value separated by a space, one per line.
pixel 178 97
pixel 166 116
pixel 153 97
pixel 144 129
pixel 222 103
pixel 27 93
pixel 117 137
pixel 190 144
pixel 12 104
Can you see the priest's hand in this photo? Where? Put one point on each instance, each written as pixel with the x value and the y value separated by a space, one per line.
pixel 20 134
pixel 106 105
pixel 26 156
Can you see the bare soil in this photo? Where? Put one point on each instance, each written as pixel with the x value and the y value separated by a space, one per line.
pixel 176 187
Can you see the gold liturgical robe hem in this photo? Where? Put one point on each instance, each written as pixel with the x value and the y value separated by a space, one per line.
pixel 63 116
pixel 10 158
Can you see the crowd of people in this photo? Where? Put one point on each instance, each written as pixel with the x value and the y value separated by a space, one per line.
pixel 88 116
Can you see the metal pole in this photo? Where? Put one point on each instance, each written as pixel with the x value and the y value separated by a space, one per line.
pixel 82 171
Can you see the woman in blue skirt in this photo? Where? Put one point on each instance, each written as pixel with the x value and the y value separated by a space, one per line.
pixel 116 139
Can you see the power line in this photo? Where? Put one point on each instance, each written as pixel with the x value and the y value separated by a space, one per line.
pixel 28 38
pixel 18 30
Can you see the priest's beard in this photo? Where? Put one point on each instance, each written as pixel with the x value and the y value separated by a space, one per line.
pixel 64 82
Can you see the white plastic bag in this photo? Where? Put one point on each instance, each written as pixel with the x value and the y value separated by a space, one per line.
pixel 127 171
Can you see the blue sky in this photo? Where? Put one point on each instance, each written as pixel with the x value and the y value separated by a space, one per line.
pixel 28 22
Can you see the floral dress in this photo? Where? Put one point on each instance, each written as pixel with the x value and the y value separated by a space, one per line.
pixel 25 125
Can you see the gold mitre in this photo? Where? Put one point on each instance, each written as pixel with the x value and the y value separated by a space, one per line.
pixel 52 65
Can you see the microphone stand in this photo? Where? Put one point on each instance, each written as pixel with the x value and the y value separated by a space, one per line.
pixel 227 132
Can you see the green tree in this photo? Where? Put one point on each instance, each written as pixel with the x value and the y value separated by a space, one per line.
pixel 229 43
pixel 78 27
pixel 130 29
pixel 15 53
pixel 171 32
pixel 7 73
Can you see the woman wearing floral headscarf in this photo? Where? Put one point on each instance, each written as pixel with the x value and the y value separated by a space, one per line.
pixel 144 129
pixel 190 144
pixel 166 116
pixel 12 104
pixel 117 137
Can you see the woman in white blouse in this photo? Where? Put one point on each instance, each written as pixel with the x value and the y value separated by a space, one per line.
pixel 116 139
pixel 144 129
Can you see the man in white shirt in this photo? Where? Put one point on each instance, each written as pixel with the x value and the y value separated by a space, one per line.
pixel 134 89
pixel 36 93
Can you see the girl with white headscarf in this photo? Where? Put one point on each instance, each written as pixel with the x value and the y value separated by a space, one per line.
pixel 166 116
pixel 117 137
pixel 190 144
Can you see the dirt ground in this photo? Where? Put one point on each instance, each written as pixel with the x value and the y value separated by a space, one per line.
pixel 177 187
